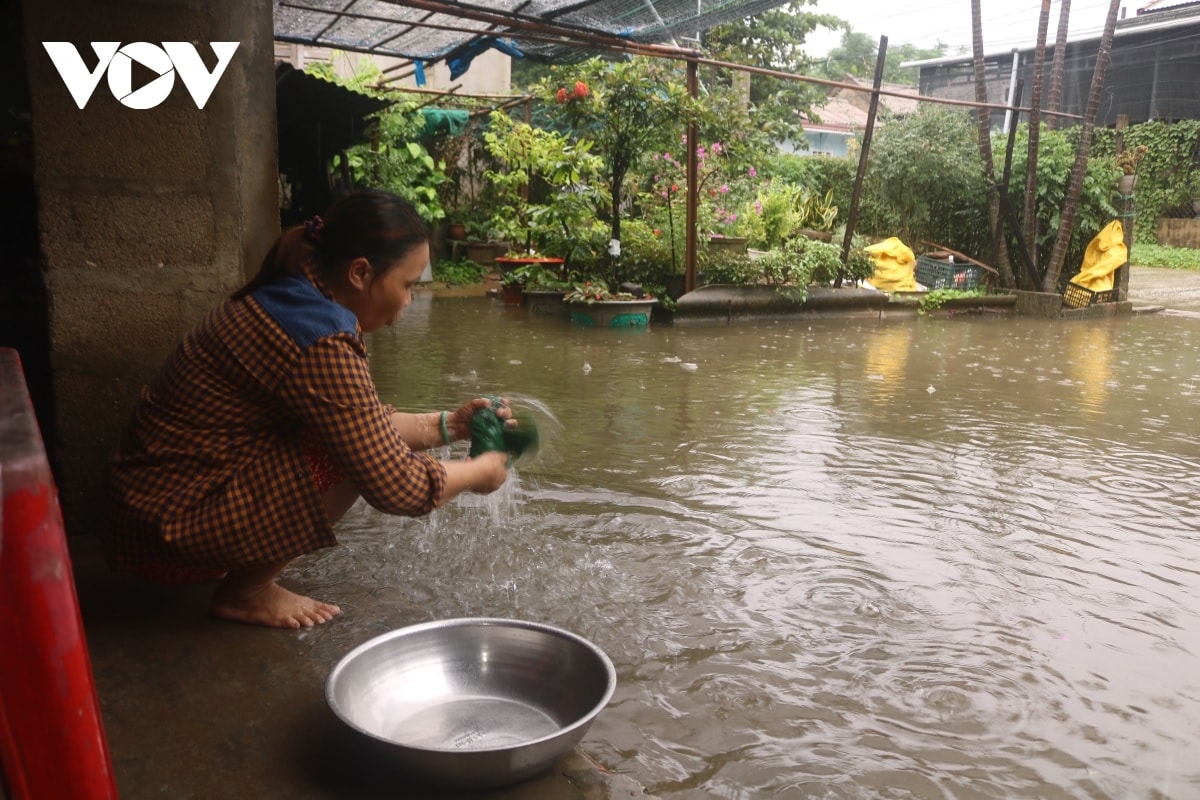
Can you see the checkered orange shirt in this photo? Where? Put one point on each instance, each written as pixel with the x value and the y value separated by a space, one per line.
pixel 211 470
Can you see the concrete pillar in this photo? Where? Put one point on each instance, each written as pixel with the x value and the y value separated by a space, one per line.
pixel 147 217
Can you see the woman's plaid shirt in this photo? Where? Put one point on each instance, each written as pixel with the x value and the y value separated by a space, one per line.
pixel 211 472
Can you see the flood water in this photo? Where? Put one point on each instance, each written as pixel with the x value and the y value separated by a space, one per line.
pixel 904 558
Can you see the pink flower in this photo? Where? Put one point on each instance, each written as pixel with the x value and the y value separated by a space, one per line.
pixel 716 147
pixel 724 188
pixel 753 172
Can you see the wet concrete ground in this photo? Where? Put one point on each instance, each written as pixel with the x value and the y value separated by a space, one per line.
pixel 198 708
pixel 1173 289
pixel 194 707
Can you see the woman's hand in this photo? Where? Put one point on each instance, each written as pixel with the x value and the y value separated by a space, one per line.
pixel 483 474
pixel 459 420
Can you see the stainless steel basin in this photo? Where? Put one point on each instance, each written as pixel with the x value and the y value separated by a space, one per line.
pixel 472 703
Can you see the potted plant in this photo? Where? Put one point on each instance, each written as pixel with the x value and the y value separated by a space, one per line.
pixel 544 287
pixel 512 288
pixel 592 304
pixel 1128 161
pixel 817 213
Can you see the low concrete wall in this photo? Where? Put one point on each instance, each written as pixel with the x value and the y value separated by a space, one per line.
pixel 1178 232
pixel 726 303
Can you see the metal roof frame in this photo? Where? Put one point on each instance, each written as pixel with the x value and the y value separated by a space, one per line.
pixel 544 30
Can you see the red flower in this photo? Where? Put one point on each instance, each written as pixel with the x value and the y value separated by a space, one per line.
pixel 657 232
pixel 561 95
pixel 581 89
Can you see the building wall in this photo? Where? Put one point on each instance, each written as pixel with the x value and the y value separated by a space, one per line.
pixel 489 73
pixel 1151 75
pixel 147 218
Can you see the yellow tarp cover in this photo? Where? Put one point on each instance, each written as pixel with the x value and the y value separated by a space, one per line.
pixel 1105 254
pixel 894 264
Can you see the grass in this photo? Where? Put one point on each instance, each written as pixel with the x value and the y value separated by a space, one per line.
pixel 1157 255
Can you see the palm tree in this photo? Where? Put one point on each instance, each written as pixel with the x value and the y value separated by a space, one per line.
pixel 1071 202
pixel 1035 124
pixel 1054 102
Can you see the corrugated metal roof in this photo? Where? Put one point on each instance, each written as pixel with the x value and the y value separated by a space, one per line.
pixel 1184 15
pixel 1163 5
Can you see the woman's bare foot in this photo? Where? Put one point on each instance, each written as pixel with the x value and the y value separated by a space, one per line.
pixel 253 596
pixel 274 607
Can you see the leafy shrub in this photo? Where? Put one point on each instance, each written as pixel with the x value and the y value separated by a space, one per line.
pixel 737 269
pixel 925 182
pixel 1156 255
pixel 1056 157
pixel 460 272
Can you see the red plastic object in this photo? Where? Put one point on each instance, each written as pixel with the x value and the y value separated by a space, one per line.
pixel 52 741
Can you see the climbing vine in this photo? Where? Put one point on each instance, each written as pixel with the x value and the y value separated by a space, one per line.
pixel 1169 174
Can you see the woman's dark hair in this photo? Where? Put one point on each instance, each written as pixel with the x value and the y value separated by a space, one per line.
pixel 372 224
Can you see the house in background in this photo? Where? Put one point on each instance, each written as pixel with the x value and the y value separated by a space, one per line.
pixel 843 118
pixel 1152 73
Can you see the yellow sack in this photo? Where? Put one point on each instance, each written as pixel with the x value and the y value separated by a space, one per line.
pixel 894 264
pixel 1104 255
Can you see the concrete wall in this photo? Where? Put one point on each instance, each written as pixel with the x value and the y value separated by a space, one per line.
pixel 147 217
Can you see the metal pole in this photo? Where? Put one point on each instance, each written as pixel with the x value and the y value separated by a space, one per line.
pixel 1012 89
pixel 862 159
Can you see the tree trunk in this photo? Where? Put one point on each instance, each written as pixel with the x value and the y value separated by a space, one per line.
pixel 983 116
pixel 1075 186
pixel 1054 100
pixel 1035 128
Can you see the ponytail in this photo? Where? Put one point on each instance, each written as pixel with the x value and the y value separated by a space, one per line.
pixel 291 251
pixel 370 223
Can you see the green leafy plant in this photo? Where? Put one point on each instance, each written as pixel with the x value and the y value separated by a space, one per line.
pixel 737 269
pixel 394 159
pixel 925 181
pixel 459 272
pixel 532 161
pixel 536 276
pixel 937 298
pixel 815 211
pixel 592 292
pixel 1164 256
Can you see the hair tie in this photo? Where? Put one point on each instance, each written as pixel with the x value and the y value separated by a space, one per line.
pixel 314 228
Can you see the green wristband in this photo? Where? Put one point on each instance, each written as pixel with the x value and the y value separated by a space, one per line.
pixel 445 430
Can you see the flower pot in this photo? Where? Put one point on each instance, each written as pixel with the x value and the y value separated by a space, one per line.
pixel 456 231
pixel 512 295
pixel 546 301
pixel 1126 183
pixel 481 252
pixel 816 236
pixel 728 244
pixel 612 313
